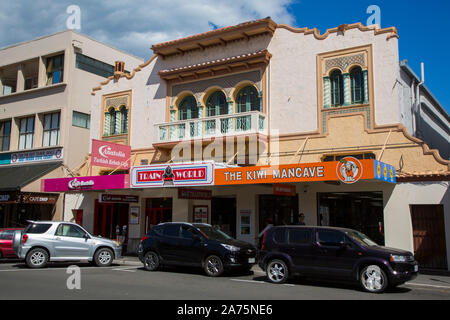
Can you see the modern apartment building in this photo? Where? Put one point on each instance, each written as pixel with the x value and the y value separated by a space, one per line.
pixel 251 124
pixel 45 117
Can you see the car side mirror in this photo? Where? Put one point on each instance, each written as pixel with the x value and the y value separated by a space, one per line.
pixel 343 245
pixel 196 237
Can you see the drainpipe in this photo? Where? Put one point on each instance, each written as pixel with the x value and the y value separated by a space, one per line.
pixel 417 106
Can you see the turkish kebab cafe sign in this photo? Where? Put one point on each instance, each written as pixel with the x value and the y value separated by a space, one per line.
pixel 349 170
pixel 110 155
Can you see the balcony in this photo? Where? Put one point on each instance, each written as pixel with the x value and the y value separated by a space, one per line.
pixel 253 122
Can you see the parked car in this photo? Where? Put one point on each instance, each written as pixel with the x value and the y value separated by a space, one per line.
pixel 6 237
pixel 44 241
pixel 194 244
pixel 333 253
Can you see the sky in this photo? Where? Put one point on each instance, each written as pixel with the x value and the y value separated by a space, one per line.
pixel 134 25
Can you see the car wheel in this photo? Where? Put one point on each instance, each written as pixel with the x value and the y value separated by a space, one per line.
pixel 104 257
pixel 37 258
pixel 151 261
pixel 213 266
pixel 373 279
pixel 277 271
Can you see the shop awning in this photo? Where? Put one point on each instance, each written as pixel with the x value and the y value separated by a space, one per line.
pixel 349 170
pixel 13 178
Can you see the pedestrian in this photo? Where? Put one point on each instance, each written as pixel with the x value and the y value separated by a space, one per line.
pixel 301 219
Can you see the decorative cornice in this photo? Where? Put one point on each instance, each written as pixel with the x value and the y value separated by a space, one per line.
pixel 342 28
pixel 124 75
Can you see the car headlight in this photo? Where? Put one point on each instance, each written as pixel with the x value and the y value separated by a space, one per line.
pixel 117 244
pixel 230 247
pixel 395 258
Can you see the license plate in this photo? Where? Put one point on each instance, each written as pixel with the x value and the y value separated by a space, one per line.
pixel 251 260
pixel 416 268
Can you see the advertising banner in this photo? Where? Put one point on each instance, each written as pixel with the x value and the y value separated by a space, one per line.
pixel 172 175
pixel 39 155
pixel 349 170
pixel 119 181
pixel 110 155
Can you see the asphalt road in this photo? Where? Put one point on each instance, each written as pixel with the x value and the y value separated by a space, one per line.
pixel 128 280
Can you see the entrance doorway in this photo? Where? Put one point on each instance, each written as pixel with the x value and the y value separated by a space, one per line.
pixel 110 219
pixel 223 214
pixel 362 211
pixel 429 236
pixel 277 210
pixel 157 210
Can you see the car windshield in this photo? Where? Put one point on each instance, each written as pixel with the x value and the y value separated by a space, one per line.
pixel 361 238
pixel 212 233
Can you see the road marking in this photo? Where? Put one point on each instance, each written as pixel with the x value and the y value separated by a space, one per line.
pixel 263 282
pixel 128 269
pixel 427 285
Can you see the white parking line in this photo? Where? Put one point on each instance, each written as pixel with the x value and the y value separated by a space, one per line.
pixel 260 282
pixel 128 269
pixel 427 285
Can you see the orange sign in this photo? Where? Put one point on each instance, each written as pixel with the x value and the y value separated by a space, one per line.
pixel 320 171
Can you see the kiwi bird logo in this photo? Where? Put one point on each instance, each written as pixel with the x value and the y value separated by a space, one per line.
pixel 349 170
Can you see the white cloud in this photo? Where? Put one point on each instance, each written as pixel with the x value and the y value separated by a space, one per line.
pixel 134 25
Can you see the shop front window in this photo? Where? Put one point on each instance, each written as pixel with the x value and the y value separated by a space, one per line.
pixel 361 211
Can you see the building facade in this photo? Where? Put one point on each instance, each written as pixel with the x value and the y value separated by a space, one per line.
pixel 241 99
pixel 45 118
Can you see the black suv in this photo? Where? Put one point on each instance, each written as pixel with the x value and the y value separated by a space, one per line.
pixel 195 244
pixel 333 253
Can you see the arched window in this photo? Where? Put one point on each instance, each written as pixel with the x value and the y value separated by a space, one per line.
pixel 123 120
pixel 337 88
pixel 112 121
pixel 188 109
pixel 248 100
pixel 357 85
pixel 216 104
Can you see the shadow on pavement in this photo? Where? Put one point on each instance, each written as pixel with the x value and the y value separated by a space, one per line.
pixel 333 284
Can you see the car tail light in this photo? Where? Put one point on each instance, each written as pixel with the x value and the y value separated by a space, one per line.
pixel 264 241
pixel 144 238
pixel 24 238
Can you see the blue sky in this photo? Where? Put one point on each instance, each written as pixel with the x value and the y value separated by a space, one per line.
pixel 134 25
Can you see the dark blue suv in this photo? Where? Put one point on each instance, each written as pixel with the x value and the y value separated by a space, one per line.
pixel 333 253
pixel 195 244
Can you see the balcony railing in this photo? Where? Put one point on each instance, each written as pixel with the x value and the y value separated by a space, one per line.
pixel 210 127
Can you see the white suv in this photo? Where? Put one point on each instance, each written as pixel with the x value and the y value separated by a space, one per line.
pixel 44 241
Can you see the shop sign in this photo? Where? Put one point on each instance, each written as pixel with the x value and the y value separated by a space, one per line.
pixel 119 181
pixel 172 175
pixel 194 194
pixel 9 197
pixel 35 156
pixel 349 170
pixel 110 155
pixel 384 172
pixel 284 190
pixel 118 198
pixel 36 198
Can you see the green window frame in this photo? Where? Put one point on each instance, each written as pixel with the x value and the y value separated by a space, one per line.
pixel 94 66
pixel 123 120
pixel 82 120
pixel 337 88
pixel 216 104
pixel 357 85
pixel 248 100
pixel 188 109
